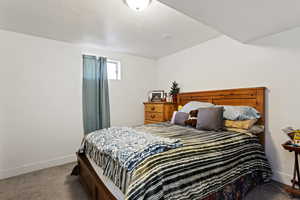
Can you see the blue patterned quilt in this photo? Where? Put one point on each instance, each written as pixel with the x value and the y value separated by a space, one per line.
pixel 126 146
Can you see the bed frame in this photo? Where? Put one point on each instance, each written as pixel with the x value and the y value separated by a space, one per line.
pixel 254 97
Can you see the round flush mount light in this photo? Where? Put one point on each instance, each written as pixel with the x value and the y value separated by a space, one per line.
pixel 138 5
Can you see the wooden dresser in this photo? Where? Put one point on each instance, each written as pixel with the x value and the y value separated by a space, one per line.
pixel 156 112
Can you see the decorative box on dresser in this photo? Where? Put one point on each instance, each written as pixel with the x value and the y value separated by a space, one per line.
pixel 156 112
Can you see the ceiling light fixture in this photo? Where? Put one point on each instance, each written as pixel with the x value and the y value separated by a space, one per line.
pixel 138 5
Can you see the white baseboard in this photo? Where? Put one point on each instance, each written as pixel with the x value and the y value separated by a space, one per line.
pixel 282 177
pixel 36 166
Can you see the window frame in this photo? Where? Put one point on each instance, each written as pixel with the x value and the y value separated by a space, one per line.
pixel 118 69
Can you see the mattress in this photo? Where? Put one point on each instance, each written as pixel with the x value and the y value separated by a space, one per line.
pixel 114 190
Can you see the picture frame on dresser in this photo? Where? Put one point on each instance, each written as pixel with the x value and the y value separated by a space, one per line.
pixel 156 96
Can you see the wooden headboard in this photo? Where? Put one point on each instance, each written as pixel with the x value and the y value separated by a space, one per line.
pixel 254 97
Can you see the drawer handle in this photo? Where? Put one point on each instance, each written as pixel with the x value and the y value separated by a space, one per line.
pixel 153 108
pixel 152 116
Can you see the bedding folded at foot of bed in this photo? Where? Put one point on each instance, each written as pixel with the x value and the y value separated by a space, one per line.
pixel 119 150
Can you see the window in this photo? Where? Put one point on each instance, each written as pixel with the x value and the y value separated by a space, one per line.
pixel 113 70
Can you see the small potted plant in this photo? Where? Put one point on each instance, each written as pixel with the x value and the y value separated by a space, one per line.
pixel 174 91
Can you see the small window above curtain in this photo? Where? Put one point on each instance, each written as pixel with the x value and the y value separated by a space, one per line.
pixel 113 70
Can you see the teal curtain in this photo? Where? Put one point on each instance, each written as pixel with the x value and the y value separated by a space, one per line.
pixel 96 112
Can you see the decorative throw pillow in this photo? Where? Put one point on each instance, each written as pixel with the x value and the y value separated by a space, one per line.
pixel 210 118
pixel 192 120
pixel 255 130
pixel 180 118
pixel 244 124
pixel 240 113
pixel 194 105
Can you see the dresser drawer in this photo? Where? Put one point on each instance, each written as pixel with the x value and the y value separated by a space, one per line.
pixel 154 108
pixel 154 116
pixel 150 122
pixel 158 112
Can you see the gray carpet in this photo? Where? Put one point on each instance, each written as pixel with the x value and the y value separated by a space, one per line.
pixel 56 184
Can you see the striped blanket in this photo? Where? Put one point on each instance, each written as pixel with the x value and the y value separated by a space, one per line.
pixel 205 163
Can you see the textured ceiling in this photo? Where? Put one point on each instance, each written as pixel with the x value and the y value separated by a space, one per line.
pixel 155 32
pixel 243 20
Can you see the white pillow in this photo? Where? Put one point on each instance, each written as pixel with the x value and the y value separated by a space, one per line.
pixel 173 117
pixel 240 113
pixel 194 105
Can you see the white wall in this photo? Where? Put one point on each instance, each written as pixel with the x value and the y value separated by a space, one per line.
pixel 40 104
pixel 223 63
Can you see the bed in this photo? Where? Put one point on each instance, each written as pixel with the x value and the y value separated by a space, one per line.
pixel 185 175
